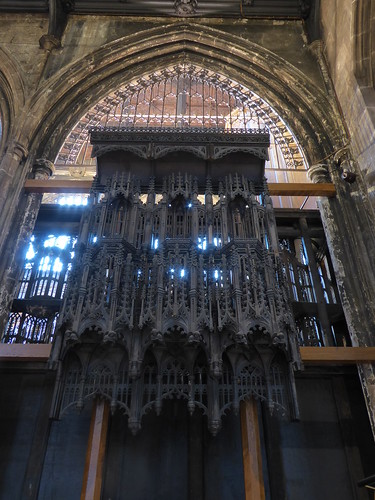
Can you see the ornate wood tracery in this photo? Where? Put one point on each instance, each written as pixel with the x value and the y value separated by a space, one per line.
pixel 178 290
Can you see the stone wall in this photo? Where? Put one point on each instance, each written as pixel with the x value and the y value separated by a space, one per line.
pixel 349 56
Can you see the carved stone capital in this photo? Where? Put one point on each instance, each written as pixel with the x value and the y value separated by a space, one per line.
pixel 319 173
pixel 19 151
pixel 49 42
pixel 43 169
pixel 316 47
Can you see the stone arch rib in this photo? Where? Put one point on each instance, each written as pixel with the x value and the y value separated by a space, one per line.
pixel 12 98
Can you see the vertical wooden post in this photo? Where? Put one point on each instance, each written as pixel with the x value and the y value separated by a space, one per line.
pixel 252 456
pixel 93 474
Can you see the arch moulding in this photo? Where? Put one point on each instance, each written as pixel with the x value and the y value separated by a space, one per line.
pixel 12 95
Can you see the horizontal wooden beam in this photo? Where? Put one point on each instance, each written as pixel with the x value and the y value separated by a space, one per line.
pixel 309 355
pixel 337 355
pixel 57 186
pixel 301 189
pixel 275 189
pixel 25 352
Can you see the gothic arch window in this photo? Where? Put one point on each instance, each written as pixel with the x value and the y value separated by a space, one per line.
pixel 99 381
pixel 124 387
pixel 238 219
pixel 251 382
pixel 42 284
pixel 117 216
pixel 187 96
pixel 72 382
pixel 226 385
pixel 47 265
pixel 149 382
pixel 179 218
pixel 140 231
pixel 200 380
pixel 175 378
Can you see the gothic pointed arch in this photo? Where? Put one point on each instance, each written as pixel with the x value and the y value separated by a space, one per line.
pixel 300 102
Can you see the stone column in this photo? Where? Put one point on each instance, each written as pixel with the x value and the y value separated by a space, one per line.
pixel 348 225
pixel 19 238
pixel 16 153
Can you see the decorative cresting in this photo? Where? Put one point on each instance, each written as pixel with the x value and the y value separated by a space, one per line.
pixel 178 290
